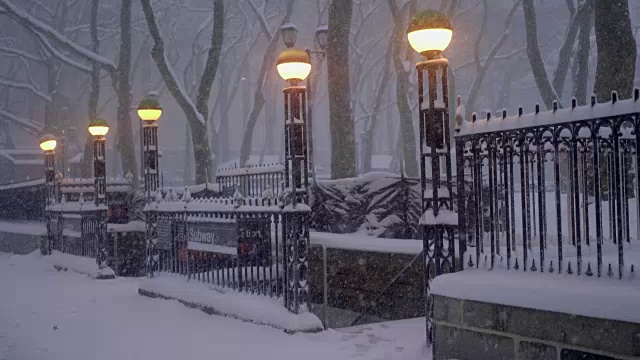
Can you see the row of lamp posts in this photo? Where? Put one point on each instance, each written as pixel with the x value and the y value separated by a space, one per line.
pixel 149 112
pixel 429 34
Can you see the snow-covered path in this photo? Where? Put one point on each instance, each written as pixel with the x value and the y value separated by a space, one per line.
pixel 51 315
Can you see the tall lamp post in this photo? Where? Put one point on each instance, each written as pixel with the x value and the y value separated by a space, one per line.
pixel 48 145
pixel 429 33
pixel 289 36
pixel 294 66
pixel 98 128
pixel 149 111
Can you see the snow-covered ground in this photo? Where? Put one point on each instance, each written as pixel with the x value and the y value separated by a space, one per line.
pixel 45 314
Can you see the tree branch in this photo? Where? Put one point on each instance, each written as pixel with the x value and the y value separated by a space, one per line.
pixel 28 21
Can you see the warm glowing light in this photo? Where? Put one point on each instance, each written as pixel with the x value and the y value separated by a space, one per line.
pixel 149 109
pixel 430 39
pixel 48 143
pixel 429 33
pixel 294 64
pixel 98 127
pixel 294 70
pixel 149 114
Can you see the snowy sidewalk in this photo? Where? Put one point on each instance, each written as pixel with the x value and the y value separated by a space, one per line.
pixel 51 315
pixel 228 302
pixel 80 264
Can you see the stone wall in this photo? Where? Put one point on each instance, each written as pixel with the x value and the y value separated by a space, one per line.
pixel 469 330
pixel 18 243
pixel 364 282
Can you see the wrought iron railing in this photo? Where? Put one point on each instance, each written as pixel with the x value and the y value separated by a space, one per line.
pixel 252 180
pixel 251 245
pixel 561 189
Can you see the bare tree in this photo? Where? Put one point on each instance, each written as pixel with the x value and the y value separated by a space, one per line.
pixel 401 54
pixel 341 125
pixel 552 91
pixel 616 49
pixel 272 36
pixel 198 113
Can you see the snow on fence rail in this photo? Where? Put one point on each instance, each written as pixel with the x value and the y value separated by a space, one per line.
pixel 587 224
pixel 252 180
pixel 252 245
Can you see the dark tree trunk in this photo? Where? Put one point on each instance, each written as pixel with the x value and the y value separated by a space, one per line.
pixel 535 58
pixel 407 133
pixel 373 119
pixel 581 60
pixel 94 94
pixel 615 70
pixel 343 147
pixel 125 135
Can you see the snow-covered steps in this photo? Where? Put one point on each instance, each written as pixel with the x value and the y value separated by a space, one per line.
pixel 80 264
pixel 212 300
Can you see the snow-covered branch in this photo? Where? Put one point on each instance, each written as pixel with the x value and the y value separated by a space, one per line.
pixel 28 125
pixel 264 24
pixel 25 86
pixel 23 18
pixel 20 53
pixel 167 73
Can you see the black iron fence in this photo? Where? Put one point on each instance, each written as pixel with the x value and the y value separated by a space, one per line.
pixel 252 245
pixel 252 180
pixel 561 187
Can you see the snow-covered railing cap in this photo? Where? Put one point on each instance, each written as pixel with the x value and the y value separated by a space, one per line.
pixel 554 116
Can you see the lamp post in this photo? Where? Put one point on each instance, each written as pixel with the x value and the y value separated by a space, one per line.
pixel 98 128
pixel 429 33
pixel 289 36
pixel 294 66
pixel 149 111
pixel 48 145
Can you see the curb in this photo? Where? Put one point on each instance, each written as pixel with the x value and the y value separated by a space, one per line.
pixel 212 311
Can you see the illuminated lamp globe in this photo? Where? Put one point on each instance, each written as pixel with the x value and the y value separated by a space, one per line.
pixel 294 65
pixel 98 127
pixel 48 143
pixel 429 33
pixel 149 109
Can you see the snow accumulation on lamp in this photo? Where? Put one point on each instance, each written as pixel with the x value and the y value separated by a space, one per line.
pixel 429 33
pixel 48 143
pixel 98 127
pixel 294 65
pixel 149 109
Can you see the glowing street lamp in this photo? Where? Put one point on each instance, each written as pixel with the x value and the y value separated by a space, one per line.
pixel 99 128
pixel 149 110
pixel 429 33
pixel 294 65
pixel 48 144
